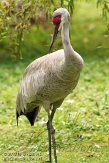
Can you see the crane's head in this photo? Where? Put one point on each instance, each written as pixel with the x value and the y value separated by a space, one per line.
pixel 60 17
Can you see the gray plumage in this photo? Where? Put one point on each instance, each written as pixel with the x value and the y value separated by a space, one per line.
pixel 49 79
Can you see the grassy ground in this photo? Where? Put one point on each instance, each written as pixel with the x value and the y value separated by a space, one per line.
pixel 82 122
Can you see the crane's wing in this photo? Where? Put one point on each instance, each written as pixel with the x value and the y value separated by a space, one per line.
pixel 28 102
pixel 34 78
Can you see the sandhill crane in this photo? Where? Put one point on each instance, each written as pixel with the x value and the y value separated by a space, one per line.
pixel 49 79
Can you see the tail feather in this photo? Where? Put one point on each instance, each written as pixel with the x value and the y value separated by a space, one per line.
pixel 31 116
pixel 17 116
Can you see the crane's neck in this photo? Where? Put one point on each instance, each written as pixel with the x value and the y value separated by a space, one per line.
pixel 72 58
pixel 68 50
pixel 65 34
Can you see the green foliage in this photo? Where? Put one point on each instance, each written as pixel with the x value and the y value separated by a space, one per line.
pixel 105 9
pixel 17 17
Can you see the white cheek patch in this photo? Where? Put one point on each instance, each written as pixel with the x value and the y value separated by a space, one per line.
pixel 61 24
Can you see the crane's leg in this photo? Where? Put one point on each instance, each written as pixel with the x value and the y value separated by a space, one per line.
pixel 49 136
pixel 54 142
pixel 55 106
pixel 51 130
pixel 53 134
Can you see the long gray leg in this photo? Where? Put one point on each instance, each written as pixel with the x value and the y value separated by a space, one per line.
pixel 52 113
pixel 54 142
pixel 49 137
pixel 53 134
pixel 51 130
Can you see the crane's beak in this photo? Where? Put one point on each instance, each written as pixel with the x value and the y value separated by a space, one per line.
pixel 54 36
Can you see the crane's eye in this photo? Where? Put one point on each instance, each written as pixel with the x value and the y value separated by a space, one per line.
pixel 57 20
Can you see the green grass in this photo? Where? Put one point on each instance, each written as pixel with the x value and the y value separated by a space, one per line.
pixel 82 122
